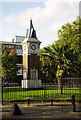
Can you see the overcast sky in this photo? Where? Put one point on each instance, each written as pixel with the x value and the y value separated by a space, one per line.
pixel 47 15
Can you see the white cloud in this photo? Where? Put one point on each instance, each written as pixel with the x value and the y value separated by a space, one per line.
pixel 53 10
pixel 49 19
pixel 9 18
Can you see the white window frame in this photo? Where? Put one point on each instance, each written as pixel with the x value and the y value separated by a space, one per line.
pixel 10 46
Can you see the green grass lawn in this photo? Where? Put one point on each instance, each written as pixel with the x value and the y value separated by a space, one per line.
pixel 16 93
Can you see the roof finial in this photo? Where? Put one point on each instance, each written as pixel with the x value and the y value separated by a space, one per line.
pixel 30 19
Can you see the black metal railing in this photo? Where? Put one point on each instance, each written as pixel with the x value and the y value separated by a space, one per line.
pixel 49 89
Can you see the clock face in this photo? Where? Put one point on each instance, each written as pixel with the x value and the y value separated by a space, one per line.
pixel 33 47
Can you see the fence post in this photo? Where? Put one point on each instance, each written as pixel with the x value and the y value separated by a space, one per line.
pixel 2 90
pixel 73 103
pixel 51 102
pixel 28 102
pixel 2 95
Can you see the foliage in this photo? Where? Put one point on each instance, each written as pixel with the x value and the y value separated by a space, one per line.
pixel 9 67
pixel 65 54
pixel 70 34
pixel 47 68
pixel 0 60
pixel 57 55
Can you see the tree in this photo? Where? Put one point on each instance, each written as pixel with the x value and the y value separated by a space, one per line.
pixel 9 67
pixel 71 33
pixel 66 52
pixel 56 54
pixel 47 67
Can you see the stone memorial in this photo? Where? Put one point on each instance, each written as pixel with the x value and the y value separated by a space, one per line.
pixel 31 60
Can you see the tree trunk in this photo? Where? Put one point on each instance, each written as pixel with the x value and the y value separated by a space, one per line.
pixel 60 85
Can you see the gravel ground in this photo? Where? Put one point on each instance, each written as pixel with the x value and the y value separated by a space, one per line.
pixel 42 111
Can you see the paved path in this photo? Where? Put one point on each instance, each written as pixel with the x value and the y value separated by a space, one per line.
pixel 42 111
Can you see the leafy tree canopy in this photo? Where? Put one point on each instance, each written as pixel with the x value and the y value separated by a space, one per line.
pixel 9 67
pixel 65 55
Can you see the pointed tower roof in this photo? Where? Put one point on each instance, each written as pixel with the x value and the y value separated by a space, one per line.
pixel 32 32
pixel 31 35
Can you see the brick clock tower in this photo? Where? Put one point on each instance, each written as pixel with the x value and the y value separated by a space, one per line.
pixel 31 60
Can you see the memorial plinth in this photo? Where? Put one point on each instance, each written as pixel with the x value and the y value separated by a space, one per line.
pixel 31 84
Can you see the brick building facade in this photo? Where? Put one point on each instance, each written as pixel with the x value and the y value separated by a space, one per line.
pixel 16 45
